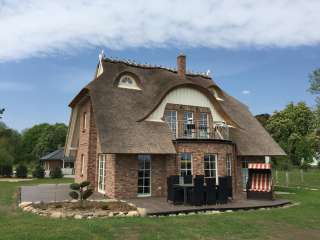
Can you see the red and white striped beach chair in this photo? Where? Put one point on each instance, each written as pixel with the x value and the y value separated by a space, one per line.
pixel 259 184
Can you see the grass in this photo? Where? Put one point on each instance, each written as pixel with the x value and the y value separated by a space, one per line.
pixel 297 222
pixel 311 178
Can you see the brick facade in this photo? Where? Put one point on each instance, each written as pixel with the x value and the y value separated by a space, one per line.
pixel 121 170
pixel 87 146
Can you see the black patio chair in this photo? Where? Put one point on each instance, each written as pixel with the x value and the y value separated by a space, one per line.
pixel 174 194
pixel 229 186
pixel 211 191
pixel 196 194
pixel 187 179
pixel 222 190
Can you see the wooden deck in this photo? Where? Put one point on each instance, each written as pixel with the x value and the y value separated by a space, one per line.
pixel 159 206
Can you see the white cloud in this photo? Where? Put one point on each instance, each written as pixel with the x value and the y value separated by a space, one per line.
pixel 15 87
pixel 246 92
pixel 32 27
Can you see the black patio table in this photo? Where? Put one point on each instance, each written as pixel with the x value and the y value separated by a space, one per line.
pixel 185 188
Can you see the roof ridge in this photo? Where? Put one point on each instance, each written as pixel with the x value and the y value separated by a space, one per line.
pixel 133 63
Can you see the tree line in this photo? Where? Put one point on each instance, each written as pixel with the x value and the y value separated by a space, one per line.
pixel 296 128
pixel 27 147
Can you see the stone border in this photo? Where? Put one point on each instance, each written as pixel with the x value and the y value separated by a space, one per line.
pixel 212 212
pixel 27 207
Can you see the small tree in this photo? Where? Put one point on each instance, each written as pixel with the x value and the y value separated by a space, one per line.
pixel 38 172
pixel 56 173
pixel 81 191
pixel 21 171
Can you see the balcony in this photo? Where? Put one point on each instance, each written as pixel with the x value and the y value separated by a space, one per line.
pixel 191 129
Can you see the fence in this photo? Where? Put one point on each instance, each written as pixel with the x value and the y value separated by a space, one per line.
pixel 297 177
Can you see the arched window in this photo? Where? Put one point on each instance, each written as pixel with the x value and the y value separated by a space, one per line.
pixel 129 82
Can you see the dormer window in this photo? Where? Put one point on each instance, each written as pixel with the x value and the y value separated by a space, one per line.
pixel 129 82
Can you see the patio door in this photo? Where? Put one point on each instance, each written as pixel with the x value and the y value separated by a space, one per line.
pixel 244 168
pixel 101 173
pixel 144 175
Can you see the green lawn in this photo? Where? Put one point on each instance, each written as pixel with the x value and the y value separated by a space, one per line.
pixel 298 222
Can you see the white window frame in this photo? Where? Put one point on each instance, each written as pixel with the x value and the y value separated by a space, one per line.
pixel 172 123
pixel 144 194
pixel 102 173
pixel 82 164
pixel 209 169
pixel 244 169
pixel 124 83
pixel 186 169
pixel 201 121
pixel 185 123
pixel 229 164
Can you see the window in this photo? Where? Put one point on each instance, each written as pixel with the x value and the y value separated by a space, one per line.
pixel 84 121
pixel 229 164
pixel 185 164
pixel 144 175
pixel 203 125
pixel 188 124
pixel 210 166
pixel 82 163
pixel 171 120
pixel 245 175
pixel 101 173
pixel 129 82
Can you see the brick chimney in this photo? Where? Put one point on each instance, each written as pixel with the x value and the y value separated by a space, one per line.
pixel 181 66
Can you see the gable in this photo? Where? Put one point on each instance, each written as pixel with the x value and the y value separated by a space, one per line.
pixel 185 96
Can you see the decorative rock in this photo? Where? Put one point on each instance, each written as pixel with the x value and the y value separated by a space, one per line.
pixel 28 209
pixel 142 212
pixel 132 214
pixel 111 214
pixel 121 214
pixel 101 213
pixel 78 216
pixel 56 214
pixel 25 204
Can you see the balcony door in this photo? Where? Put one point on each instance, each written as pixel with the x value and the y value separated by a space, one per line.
pixel 188 124
pixel 203 125
pixel 144 175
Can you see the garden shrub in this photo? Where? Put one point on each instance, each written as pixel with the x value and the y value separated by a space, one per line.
pixel 56 173
pixel 6 169
pixel 38 172
pixel 21 171
pixel 81 191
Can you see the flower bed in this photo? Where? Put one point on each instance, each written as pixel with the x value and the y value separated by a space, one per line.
pixel 78 210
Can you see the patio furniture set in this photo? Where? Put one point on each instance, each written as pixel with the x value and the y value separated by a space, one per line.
pixel 199 190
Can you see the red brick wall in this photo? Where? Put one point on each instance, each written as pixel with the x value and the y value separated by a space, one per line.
pixel 199 149
pixel 122 174
pixel 87 146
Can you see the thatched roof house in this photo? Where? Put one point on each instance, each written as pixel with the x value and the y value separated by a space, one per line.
pixel 130 110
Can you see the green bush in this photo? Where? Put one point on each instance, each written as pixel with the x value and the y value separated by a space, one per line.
pixel 56 173
pixel 38 172
pixel 21 171
pixel 6 169
pixel 81 191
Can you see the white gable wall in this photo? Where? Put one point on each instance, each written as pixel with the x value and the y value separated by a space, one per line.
pixel 184 96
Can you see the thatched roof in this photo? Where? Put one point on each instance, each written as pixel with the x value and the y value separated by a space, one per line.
pixel 119 113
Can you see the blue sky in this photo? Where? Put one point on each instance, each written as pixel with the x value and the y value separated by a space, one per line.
pixel 264 62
